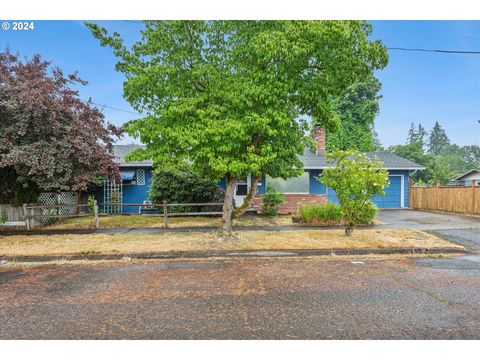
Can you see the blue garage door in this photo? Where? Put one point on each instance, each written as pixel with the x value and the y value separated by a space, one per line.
pixel 393 194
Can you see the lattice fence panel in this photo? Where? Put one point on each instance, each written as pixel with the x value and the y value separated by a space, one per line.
pixel 63 198
pixel 112 193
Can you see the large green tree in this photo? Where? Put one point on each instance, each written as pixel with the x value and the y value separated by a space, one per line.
pixel 357 109
pixel 438 139
pixel 416 134
pixel 229 96
pixel 413 151
pixel 443 161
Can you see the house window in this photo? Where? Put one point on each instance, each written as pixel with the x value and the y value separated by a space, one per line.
pixel 128 177
pixel 242 187
pixel 141 177
pixel 293 185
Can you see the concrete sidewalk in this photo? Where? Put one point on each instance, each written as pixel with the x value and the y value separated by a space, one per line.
pixel 158 230
pixel 237 254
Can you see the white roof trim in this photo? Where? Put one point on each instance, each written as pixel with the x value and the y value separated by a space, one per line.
pixel 467 173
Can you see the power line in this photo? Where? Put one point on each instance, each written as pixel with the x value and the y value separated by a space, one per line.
pixel 115 108
pixel 435 50
pixel 389 48
pixel 134 21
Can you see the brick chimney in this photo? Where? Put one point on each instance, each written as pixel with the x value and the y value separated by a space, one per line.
pixel 318 134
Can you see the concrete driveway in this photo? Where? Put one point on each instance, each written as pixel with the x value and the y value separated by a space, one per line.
pixel 463 230
pixel 426 220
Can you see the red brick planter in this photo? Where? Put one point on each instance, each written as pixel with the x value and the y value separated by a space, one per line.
pixel 291 202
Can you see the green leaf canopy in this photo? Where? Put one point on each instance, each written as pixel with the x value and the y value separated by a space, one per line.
pixel 231 97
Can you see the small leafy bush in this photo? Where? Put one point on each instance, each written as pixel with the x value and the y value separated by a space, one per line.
pixel 315 214
pixel 367 213
pixel 91 204
pixel 355 178
pixel 271 200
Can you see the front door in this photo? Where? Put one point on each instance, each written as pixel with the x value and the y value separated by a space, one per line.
pixel 241 190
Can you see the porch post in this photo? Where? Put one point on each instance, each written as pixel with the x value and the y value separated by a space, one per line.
pixel 25 216
pixel 165 214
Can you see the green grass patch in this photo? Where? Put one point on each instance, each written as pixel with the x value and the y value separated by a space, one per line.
pixel 313 214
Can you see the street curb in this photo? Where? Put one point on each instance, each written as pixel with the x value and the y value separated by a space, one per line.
pixel 160 230
pixel 238 253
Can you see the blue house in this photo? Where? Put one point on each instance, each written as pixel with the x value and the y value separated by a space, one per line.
pixel 306 188
pixel 134 188
pixel 468 178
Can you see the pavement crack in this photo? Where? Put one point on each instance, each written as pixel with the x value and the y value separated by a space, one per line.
pixel 436 297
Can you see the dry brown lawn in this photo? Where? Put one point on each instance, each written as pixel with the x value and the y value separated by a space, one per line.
pixel 196 241
pixel 144 221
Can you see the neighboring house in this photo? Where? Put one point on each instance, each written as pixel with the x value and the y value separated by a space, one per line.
pixel 467 179
pixel 305 188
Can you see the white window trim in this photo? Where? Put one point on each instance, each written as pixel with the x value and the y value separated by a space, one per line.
pixel 402 190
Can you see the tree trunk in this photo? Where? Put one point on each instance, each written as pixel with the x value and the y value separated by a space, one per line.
pixel 248 199
pixel 228 205
pixel 349 230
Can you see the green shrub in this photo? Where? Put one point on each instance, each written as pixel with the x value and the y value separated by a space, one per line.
pixel 315 214
pixel 181 187
pixel 367 213
pixel 361 213
pixel 271 200
pixel 355 178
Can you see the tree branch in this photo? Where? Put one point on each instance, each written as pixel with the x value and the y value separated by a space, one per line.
pixel 248 199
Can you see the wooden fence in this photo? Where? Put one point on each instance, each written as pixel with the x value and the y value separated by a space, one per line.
pixel 458 199
pixel 33 215
pixel 14 216
pixel 36 215
pixel 164 206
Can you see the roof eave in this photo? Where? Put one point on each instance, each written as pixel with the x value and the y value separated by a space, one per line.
pixel 135 165
pixel 465 174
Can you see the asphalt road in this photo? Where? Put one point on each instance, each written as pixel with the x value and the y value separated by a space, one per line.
pixel 281 298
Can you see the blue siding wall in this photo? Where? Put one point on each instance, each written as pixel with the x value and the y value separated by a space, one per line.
pixel 132 194
pixel 136 194
pixel 316 187
pixel 222 183
pixel 262 186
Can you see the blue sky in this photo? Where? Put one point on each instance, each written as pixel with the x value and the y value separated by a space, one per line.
pixel 417 87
